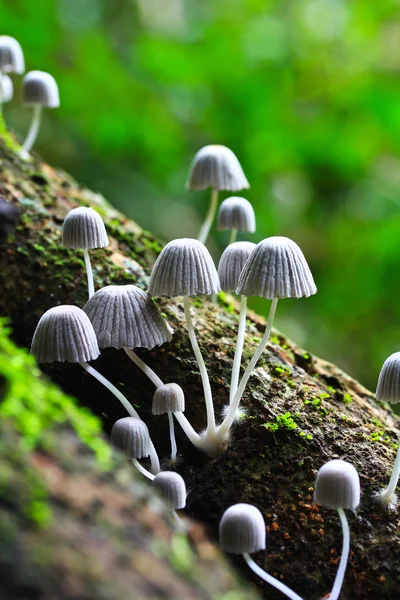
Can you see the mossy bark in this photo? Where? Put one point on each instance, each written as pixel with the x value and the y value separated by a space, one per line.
pixel 301 410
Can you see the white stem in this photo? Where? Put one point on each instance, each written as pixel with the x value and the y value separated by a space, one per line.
pixel 1 91
pixel 155 463
pixel 232 236
pixel 33 130
pixel 386 495
pixel 202 367
pixel 271 580
pixel 154 378
pixel 239 348
pixel 89 273
pixel 205 228
pixel 188 429
pixel 337 586
pixel 234 405
pixel 181 525
pixel 142 470
pixel 174 449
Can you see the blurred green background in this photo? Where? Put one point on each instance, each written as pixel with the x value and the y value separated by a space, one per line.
pixel 306 93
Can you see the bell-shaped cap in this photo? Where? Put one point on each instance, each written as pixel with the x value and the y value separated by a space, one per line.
pixel 242 529
pixel 124 316
pixel 84 229
pixel 168 398
pixel 64 334
pixel 131 435
pixel 40 89
pixel 216 167
pixel 172 488
pixel 388 388
pixel 184 268
pixel 337 485
pixel 276 268
pixel 236 213
pixel 231 264
pixel 6 88
pixel 11 55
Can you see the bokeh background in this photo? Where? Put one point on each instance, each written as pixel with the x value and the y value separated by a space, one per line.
pixel 307 94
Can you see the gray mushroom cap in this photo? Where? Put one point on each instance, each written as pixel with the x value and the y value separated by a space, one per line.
pixel 124 316
pixel 337 485
pixel 276 268
pixel 131 435
pixel 217 167
pixel 64 334
pixel 184 268
pixel 11 55
pixel 236 213
pixel 242 529
pixel 168 398
pixel 231 264
pixel 40 89
pixel 173 489
pixel 388 388
pixel 84 229
pixel 6 88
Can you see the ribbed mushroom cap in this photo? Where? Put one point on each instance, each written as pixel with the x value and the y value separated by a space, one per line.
pixel 11 55
pixel 64 334
pixel 236 213
pixel 388 388
pixel 6 88
pixel 276 268
pixel 131 435
pixel 184 268
pixel 242 529
pixel 168 398
pixel 84 229
pixel 172 488
pixel 231 264
pixel 337 485
pixel 124 316
pixel 40 89
pixel 217 167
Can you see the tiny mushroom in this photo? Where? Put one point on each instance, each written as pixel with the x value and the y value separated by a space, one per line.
pixel 242 531
pixel 11 61
pixel 131 436
pixel 217 167
pixel 236 214
pixel 338 486
pixel 6 88
pixel 173 489
pixel 168 399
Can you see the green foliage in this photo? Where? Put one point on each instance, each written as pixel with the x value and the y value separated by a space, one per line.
pixel 285 421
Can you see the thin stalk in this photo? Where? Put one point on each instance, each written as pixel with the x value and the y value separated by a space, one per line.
pixel 239 348
pixel 212 209
pixel 337 586
pixel 386 495
pixel 142 470
pixel 33 130
pixel 234 405
pixel 271 580
pixel 89 273
pixel 174 449
pixel 181 525
pixel 1 92
pixel 202 367
pixel 154 378
pixel 155 463
pixel 188 429
pixel 232 236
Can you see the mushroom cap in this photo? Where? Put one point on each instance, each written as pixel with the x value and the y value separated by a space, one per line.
pixel 236 213
pixel 217 167
pixel 388 388
pixel 40 89
pixel 172 487
pixel 184 268
pixel 337 485
pixel 124 316
pixel 231 264
pixel 276 268
pixel 11 55
pixel 64 334
pixel 131 435
pixel 242 529
pixel 7 88
pixel 168 398
pixel 84 229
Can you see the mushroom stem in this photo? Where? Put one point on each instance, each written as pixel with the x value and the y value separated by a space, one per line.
pixel 172 436
pixel 154 378
pixel 1 91
pixel 337 586
pixel 180 524
pixel 33 130
pixel 155 463
pixel 232 236
pixel 239 348
pixel 386 495
pixel 202 367
pixel 142 470
pixel 212 209
pixel 89 272
pixel 193 436
pixel 234 405
pixel 271 580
